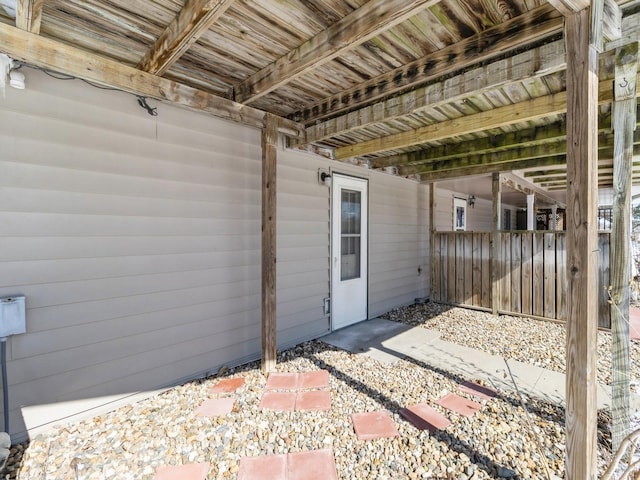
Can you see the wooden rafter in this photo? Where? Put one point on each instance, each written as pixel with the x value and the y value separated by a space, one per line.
pixel 499 117
pixel 49 54
pixel 29 15
pixel 368 21
pixel 535 63
pixel 194 19
pixel 537 24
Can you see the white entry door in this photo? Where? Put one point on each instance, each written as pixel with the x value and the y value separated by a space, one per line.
pixel 348 251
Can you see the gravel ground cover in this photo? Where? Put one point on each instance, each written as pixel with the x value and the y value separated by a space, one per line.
pixel 502 440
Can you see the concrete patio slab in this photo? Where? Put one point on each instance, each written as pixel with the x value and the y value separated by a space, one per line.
pixel 315 400
pixel 282 381
pixel 267 467
pixel 479 391
pixel 460 405
pixel 315 379
pixel 226 385
pixel 373 425
pixel 425 417
pixel 192 471
pixel 215 407
pixel 280 401
pixel 315 465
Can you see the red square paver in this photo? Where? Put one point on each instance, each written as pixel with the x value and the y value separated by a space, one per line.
pixel 485 393
pixel 267 467
pixel 316 465
pixel 424 417
pixel 281 401
pixel 282 381
pixel 215 407
pixel 372 425
pixel 459 404
pixel 313 400
pixel 191 471
pixel 227 385
pixel 315 379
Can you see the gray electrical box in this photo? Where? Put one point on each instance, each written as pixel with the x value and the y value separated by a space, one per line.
pixel 12 316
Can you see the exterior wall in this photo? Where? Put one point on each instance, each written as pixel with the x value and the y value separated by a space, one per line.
pixel 136 241
pixel 479 217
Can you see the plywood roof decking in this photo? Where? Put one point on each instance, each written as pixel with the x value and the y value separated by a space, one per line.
pixel 432 88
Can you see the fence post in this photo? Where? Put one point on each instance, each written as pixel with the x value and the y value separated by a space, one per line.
pixel 495 243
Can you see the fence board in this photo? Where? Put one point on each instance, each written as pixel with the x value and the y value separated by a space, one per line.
pixel 468 269
pixel 451 268
pixel 516 273
pixel 538 274
pixel 527 273
pixel 459 268
pixel 549 275
pixel 505 273
pixel 477 270
pixel 561 276
pixel 486 270
pixel 604 308
pixel 436 268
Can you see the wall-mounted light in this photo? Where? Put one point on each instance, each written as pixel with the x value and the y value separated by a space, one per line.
pixel 471 200
pixel 16 79
pixel 8 70
pixel 324 178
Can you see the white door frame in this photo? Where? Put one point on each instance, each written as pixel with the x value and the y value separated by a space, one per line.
pixel 349 296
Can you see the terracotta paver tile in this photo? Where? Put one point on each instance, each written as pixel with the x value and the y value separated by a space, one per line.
pixel 313 400
pixel 266 467
pixel 459 404
pixel 227 385
pixel 424 417
pixel 372 425
pixel 215 407
pixel 282 381
pixel 315 379
pixel 191 471
pixel 315 465
pixel 280 401
pixel 485 393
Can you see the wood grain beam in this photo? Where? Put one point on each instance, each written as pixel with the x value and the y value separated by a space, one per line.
pixel 535 63
pixel 364 23
pixel 195 18
pixel 496 196
pixel 269 235
pixel 442 172
pixel 29 15
pixel 537 24
pixel 533 109
pixel 582 249
pixel 52 55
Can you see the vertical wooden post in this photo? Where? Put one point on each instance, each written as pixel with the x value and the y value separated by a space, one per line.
pixel 554 217
pixel 495 242
pixel 432 235
pixel 582 320
pixel 531 212
pixel 269 157
pixel 624 121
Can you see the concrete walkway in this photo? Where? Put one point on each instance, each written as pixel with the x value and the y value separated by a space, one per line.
pixel 388 341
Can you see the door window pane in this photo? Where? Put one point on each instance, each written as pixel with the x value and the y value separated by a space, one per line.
pixel 350 222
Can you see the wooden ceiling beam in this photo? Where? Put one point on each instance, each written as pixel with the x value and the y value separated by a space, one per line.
pixel 368 21
pixel 29 15
pixel 195 18
pixel 537 24
pixel 52 55
pixel 533 109
pixel 535 63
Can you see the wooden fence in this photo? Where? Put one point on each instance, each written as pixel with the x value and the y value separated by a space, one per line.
pixel 531 272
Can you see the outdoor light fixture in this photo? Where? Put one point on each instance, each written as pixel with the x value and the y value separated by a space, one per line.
pixel 471 200
pixel 325 178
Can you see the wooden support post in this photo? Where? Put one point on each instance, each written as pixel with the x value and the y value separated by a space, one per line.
pixel 269 157
pixel 495 243
pixel 582 245
pixel 531 212
pixel 623 123
pixel 554 217
pixel 432 235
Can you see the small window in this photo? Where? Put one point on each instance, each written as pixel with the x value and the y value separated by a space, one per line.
pixel 459 214
pixel 506 225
